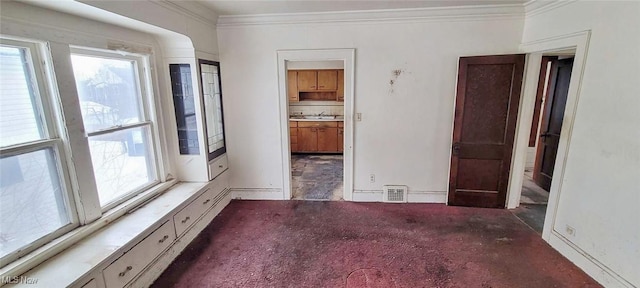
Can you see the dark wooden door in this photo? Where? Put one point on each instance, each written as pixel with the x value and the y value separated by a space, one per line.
pixel 552 122
pixel 486 111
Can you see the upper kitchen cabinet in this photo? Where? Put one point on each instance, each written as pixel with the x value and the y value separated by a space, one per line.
pixel 327 80
pixel 292 86
pixel 307 80
pixel 340 92
pixel 317 80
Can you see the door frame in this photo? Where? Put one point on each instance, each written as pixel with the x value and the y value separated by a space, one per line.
pixel 535 50
pixel 348 57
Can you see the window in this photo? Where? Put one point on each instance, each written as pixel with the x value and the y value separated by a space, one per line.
pixel 34 195
pixel 113 101
pixel 210 74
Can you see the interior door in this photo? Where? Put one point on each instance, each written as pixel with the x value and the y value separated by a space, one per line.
pixel 488 94
pixel 552 122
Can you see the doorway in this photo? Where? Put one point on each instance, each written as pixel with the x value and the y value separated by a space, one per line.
pixel 315 138
pixel 546 126
pixel 315 92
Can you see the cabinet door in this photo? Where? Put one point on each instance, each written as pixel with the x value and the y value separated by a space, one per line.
pixel 327 80
pixel 293 134
pixel 292 86
pixel 307 80
pixel 340 92
pixel 327 139
pixel 308 139
pixel 340 139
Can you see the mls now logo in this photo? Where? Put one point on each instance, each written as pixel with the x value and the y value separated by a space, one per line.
pixel 18 280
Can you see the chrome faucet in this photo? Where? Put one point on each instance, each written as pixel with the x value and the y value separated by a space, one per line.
pixel 321 113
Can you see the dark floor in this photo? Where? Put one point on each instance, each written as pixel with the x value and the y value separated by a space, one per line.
pixel 533 204
pixel 348 244
pixel 317 177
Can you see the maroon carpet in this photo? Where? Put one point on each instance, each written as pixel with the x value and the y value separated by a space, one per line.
pixel 346 244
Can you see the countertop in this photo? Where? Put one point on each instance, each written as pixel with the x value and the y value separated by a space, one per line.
pixel 341 119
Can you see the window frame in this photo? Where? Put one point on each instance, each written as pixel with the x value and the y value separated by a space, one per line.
pixel 47 113
pixel 222 150
pixel 144 88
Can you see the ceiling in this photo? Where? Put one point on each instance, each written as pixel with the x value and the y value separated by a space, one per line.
pixel 247 7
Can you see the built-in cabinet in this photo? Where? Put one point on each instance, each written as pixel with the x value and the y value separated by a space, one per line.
pixel 317 85
pixel 316 136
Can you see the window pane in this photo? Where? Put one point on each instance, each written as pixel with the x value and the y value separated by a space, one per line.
pixel 212 106
pixel 108 90
pixel 31 199
pixel 122 162
pixel 19 121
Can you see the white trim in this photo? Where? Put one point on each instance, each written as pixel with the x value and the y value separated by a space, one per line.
pixel 588 264
pixel 439 197
pixel 484 12
pixel 535 7
pixel 256 193
pixel 580 42
pixel 346 55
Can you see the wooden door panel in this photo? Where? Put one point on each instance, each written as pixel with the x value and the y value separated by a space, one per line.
pixel 308 139
pixel 307 80
pixel 485 118
pixel 551 125
pixel 480 175
pixel 292 86
pixel 327 139
pixel 327 80
pixel 488 94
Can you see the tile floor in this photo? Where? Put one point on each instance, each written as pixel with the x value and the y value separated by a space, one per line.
pixel 533 203
pixel 317 177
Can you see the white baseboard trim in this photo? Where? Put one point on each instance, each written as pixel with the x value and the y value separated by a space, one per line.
pixel 146 278
pixel 257 194
pixel 412 196
pixel 587 263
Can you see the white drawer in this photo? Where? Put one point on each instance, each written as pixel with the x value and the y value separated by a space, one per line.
pixel 123 270
pixel 217 166
pixel 190 214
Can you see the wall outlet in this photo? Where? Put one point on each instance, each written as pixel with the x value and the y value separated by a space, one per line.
pixel 372 178
pixel 570 230
pixel 358 116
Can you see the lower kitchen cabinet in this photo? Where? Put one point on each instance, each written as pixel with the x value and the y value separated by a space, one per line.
pixel 307 139
pixel 340 139
pixel 317 136
pixel 327 139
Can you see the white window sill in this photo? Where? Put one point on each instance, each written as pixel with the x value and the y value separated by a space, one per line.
pixel 109 238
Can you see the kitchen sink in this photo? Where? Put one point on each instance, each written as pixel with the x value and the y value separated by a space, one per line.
pixel 323 117
pixel 314 117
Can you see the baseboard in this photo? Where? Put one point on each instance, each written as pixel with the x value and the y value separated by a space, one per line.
pixel 257 193
pixel 146 278
pixel 412 196
pixel 588 264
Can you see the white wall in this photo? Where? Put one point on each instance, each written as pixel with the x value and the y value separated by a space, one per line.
pixel 600 195
pixel 405 134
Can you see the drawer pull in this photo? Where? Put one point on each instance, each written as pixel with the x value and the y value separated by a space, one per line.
pixel 220 166
pixel 205 202
pixel 185 220
pixel 163 239
pixel 121 274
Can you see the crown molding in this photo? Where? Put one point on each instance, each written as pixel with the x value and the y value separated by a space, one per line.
pixel 193 9
pixel 462 13
pixel 535 7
